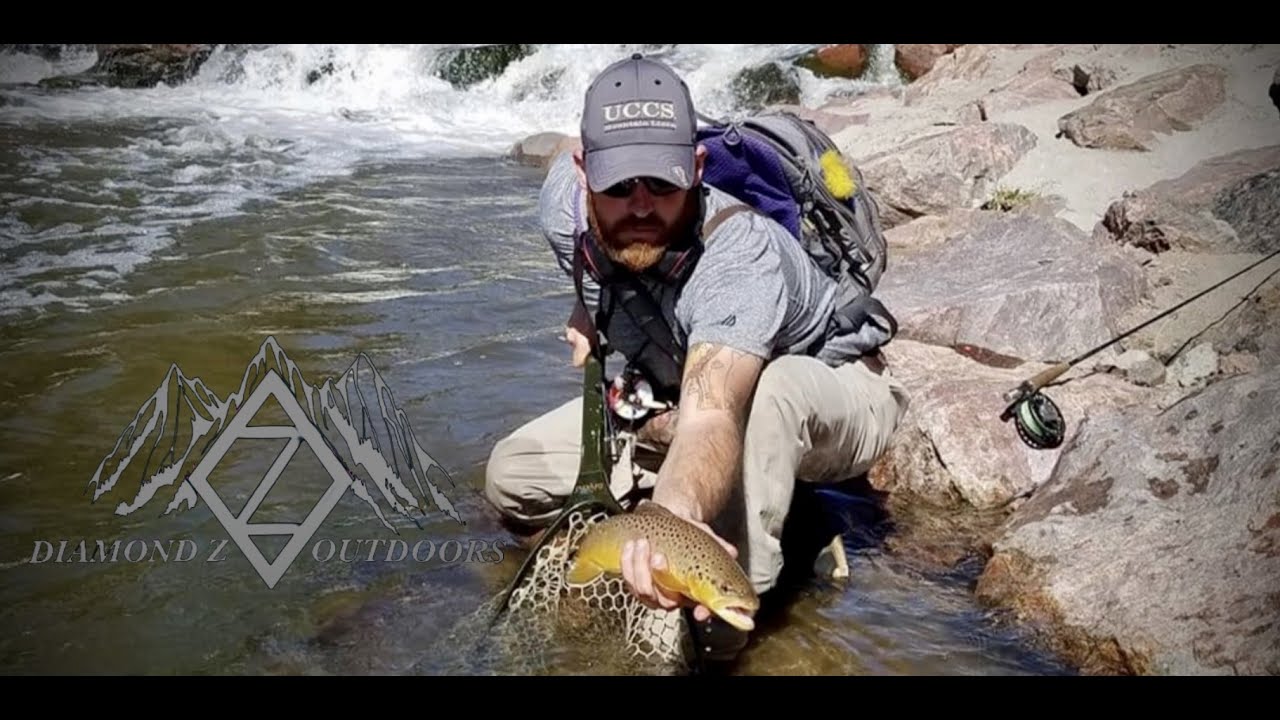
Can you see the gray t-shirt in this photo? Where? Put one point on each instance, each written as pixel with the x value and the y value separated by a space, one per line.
pixel 754 288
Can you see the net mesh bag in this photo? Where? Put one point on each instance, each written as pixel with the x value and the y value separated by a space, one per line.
pixel 548 627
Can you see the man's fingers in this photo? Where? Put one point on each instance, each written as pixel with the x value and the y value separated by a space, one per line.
pixel 667 602
pixel 628 576
pixel 733 551
pixel 640 570
pixel 581 346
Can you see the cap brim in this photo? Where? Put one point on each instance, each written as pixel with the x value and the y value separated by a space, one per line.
pixel 673 163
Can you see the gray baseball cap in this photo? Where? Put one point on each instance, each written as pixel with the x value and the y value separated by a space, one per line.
pixel 638 120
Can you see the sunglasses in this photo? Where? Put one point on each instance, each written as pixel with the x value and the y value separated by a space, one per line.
pixel 653 185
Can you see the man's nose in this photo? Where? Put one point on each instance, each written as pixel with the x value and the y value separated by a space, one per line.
pixel 640 202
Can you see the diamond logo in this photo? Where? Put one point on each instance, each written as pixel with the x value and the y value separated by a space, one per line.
pixel 364 447
pixel 302 430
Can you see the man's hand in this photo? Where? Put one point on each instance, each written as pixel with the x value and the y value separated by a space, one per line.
pixel 581 346
pixel 639 562
pixel 659 430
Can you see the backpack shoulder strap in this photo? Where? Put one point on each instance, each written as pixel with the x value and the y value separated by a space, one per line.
pixel 714 222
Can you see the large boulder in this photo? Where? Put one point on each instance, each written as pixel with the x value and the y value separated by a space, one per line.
pixel 138 66
pixel 464 67
pixel 953 449
pixel 1228 203
pixel 1023 285
pixel 836 61
pixel 957 168
pixel 755 88
pixel 916 60
pixel 1205 226
pixel 1155 546
pixel 1128 117
pixel 1039 81
pixel 540 149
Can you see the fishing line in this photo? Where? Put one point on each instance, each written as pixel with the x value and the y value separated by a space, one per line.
pixel 1040 422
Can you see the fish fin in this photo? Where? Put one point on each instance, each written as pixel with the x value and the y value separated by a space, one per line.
pixel 669 583
pixel 583 571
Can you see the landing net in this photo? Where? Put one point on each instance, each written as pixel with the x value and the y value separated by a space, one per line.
pixel 549 628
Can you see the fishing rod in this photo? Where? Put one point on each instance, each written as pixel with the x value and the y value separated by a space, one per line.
pixel 591 490
pixel 1038 420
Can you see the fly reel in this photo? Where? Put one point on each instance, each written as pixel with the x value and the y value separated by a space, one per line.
pixel 1038 420
pixel 631 398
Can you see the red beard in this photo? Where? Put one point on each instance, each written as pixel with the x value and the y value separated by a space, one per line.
pixel 639 253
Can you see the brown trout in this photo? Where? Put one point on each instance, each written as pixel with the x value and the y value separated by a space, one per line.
pixel 698 567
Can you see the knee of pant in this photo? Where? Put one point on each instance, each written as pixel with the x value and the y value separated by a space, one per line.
pixel 500 478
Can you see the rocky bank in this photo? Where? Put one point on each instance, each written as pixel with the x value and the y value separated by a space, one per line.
pixel 1041 200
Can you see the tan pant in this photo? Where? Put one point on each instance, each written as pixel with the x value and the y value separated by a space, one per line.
pixel 808 421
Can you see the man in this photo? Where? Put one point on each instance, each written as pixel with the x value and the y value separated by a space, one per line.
pixel 771 388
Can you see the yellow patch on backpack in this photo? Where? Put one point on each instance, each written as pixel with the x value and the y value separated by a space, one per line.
pixel 836 176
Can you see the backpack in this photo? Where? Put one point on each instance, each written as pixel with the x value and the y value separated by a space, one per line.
pixel 783 167
pixel 788 169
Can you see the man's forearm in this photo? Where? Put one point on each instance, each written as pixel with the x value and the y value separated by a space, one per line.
pixel 701 467
pixel 705 459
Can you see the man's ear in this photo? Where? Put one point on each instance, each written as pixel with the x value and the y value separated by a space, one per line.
pixel 699 159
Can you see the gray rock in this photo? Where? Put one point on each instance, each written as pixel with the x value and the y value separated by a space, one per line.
pixel 957 168
pixel 1035 83
pixel 1128 117
pixel 467 66
pixel 1137 367
pixel 137 66
pixel 1195 366
pixel 1086 79
pixel 770 84
pixel 1252 208
pixel 953 449
pixel 1155 546
pixel 538 150
pixel 1023 285
pixel 1227 203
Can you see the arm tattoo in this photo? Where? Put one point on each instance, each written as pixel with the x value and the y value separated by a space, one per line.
pixel 710 378
pixel 705 457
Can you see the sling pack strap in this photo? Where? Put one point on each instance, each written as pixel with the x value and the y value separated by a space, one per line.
pixel 637 301
pixel 710 226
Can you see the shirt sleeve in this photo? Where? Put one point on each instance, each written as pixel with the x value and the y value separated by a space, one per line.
pixel 737 296
pixel 559 208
